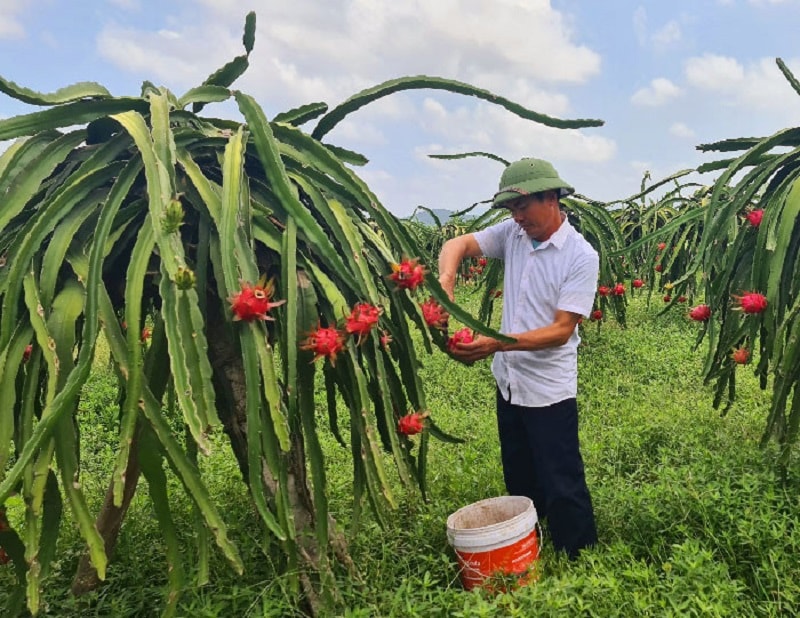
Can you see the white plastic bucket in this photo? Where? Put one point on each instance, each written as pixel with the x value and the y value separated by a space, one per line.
pixel 495 537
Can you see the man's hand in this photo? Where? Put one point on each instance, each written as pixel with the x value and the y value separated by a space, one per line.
pixel 450 257
pixel 479 349
pixel 448 285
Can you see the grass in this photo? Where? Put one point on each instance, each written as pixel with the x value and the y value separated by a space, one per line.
pixel 692 518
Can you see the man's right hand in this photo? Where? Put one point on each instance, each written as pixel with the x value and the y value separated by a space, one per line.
pixel 448 284
pixel 450 257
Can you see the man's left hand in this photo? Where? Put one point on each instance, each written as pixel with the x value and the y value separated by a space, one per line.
pixel 479 349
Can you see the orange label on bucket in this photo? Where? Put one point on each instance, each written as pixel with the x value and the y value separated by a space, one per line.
pixel 514 559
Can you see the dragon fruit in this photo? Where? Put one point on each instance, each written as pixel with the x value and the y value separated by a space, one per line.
pixel 752 302
pixel 253 301
pixel 411 424
pixel 361 320
pixel 700 313
pixel 755 217
pixel 408 274
pixel 740 355
pixel 460 336
pixel 434 314
pixel 324 343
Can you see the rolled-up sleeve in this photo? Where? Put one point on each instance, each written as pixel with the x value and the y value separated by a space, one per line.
pixel 492 240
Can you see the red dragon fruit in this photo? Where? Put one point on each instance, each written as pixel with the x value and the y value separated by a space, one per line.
pixel 700 313
pixel 361 320
pixel 755 217
pixel 752 302
pixel 411 424
pixel 324 343
pixel 253 301
pixel 408 274
pixel 740 355
pixel 434 314
pixel 460 336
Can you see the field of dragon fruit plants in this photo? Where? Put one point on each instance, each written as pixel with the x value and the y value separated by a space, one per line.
pixel 186 300
pixel 693 518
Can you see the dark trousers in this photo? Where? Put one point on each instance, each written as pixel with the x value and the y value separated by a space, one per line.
pixel 542 460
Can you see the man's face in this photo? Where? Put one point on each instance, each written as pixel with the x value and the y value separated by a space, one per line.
pixel 538 215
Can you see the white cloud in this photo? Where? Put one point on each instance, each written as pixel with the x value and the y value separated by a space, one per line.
pixel 662 38
pixel 526 92
pixel 668 34
pixel 714 72
pixel 172 56
pixel 680 129
pixel 759 85
pixel 10 25
pixel 767 2
pixel 310 51
pixel 360 133
pixel 307 50
pixel 659 92
pixel 488 128
pixel 454 129
pixel 640 25
pixel 381 183
pixel 767 88
pixel 307 88
pixel 435 108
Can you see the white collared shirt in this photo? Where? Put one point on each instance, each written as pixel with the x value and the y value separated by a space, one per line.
pixel 560 273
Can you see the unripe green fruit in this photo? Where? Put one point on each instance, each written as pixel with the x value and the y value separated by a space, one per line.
pixel 185 278
pixel 173 216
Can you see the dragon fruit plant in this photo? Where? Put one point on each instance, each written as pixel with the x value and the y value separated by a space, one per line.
pixel 248 248
pixel 748 262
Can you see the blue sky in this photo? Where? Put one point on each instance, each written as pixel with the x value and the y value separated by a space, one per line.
pixel 664 76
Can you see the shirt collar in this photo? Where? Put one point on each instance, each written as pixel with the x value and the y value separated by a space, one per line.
pixel 558 238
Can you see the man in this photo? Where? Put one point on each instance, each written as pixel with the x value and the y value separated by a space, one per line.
pixel 549 283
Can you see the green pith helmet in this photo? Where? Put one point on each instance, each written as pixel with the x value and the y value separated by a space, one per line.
pixel 526 177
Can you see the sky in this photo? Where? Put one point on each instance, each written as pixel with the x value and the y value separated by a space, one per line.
pixel 663 76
